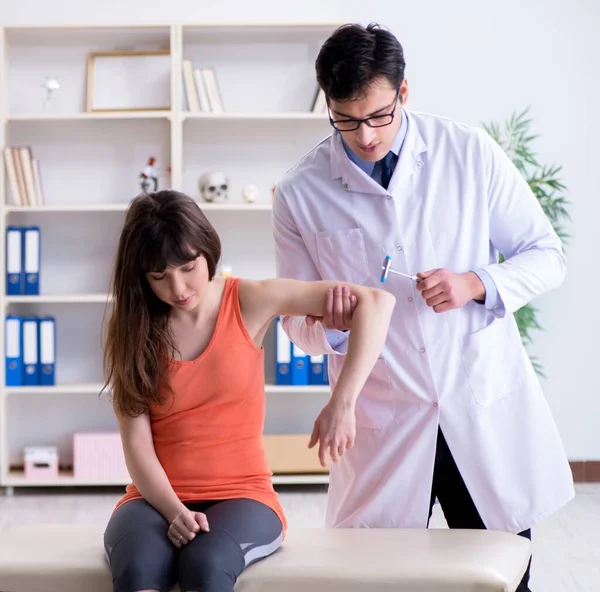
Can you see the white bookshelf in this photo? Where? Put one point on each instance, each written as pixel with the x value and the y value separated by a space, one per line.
pixel 80 298
pixel 89 164
pixel 264 117
pixel 95 388
pixel 66 117
pixel 118 207
pixel 16 478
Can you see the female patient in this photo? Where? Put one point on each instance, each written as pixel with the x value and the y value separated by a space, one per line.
pixel 184 360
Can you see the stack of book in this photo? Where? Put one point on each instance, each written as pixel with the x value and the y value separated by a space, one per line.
pixel 23 174
pixel 202 92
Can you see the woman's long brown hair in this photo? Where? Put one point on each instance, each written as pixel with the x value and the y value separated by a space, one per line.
pixel 163 229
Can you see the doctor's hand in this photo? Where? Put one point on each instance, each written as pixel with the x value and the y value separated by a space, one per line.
pixel 338 310
pixel 334 430
pixel 445 290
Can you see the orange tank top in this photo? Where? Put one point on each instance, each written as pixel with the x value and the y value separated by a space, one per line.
pixel 208 433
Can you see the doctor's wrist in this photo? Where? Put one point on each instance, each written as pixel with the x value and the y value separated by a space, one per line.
pixel 476 287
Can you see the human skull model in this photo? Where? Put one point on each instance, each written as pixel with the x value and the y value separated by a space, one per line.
pixel 213 187
pixel 250 193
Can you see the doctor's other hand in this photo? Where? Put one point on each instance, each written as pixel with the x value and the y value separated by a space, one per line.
pixel 338 310
pixel 334 430
pixel 445 290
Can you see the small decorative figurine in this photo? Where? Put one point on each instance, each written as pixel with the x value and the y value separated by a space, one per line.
pixel 51 85
pixel 213 187
pixel 250 193
pixel 149 177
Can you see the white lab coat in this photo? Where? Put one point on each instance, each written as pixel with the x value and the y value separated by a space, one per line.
pixel 455 201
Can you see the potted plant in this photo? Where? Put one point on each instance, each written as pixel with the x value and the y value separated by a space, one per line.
pixel 516 138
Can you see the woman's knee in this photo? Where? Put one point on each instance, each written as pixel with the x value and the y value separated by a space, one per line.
pixel 140 555
pixel 133 576
pixel 211 562
pixel 142 561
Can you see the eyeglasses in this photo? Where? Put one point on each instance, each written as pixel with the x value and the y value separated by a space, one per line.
pixel 349 125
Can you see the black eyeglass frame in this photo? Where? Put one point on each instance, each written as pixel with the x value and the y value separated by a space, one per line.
pixel 368 120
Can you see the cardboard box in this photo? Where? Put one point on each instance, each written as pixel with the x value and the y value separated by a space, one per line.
pixel 99 456
pixel 41 462
pixel 289 453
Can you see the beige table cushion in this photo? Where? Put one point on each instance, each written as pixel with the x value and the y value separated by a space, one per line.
pixel 70 558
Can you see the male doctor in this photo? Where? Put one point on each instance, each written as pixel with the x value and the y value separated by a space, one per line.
pixel 453 409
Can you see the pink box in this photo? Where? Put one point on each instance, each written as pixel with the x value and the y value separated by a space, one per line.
pixel 41 462
pixel 99 456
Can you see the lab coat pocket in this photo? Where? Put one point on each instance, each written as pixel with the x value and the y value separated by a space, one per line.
pixel 493 362
pixel 375 407
pixel 343 255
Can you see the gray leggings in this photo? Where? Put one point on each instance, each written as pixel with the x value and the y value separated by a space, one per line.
pixel 141 556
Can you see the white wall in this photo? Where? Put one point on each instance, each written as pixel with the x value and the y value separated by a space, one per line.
pixel 474 62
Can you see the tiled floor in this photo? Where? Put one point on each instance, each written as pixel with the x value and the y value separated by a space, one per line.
pixel 566 547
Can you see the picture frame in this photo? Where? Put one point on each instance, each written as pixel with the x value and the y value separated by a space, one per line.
pixel 128 81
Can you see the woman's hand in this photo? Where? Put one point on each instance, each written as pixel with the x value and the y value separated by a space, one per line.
pixel 334 429
pixel 185 526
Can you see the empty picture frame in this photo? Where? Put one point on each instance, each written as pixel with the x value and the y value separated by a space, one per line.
pixel 129 81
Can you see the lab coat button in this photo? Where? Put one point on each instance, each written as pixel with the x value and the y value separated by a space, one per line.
pixel 410 298
pixel 419 163
pixel 388 197
pixel 435 404
pixel 398 247
pixel 346 186
pixel 422 350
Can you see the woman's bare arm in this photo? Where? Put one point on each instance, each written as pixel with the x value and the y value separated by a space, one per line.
pixel 144 467
pixel 261 301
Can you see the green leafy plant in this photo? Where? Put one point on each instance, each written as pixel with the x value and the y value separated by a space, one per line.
pixel 516 139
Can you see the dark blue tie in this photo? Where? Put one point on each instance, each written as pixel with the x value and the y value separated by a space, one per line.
pixel 387 168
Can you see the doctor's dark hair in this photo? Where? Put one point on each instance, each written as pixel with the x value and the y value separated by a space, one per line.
pixel 162 229
pixel 354 56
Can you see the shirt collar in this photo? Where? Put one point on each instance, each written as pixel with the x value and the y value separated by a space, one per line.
pixel 368 166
